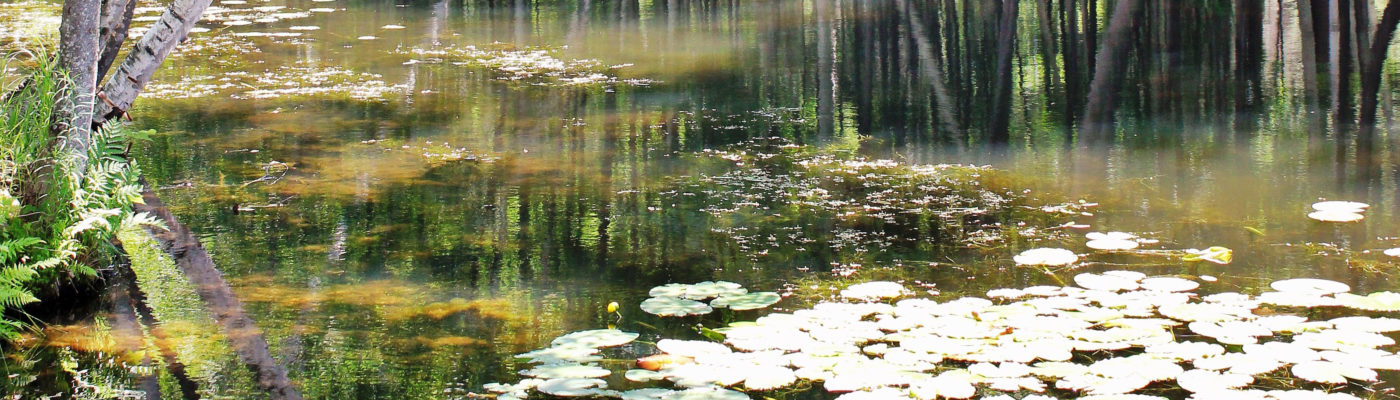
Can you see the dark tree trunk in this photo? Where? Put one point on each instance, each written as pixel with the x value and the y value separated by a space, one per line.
pixel 1111 64
pixel 1374 59
pixel 1001 95
pixel 1309 53
pixel 1341 60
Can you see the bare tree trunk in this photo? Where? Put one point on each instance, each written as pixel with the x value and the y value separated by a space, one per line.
pixel 1341 60
pixel 1309 43
pixel 944 103
pixel 1001 95
pixel 1110 65
pixel 116 19
pixel 1374 59
pixel 78 48
pixel 1047 38
pixel 147 55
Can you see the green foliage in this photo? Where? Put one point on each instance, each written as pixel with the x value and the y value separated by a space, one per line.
pixel 56 220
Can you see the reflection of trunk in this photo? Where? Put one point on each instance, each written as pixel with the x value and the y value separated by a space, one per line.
pixel 1249 50
pixel 1309 53
pixel 1073 78
pixel 1047 38
pixel 1001 95
pixel 127 331
pixel 1373 59
pixel 943 102
pixel 125 295
pixel 242 333
pixel 1110 66
pixel 826 86
pixel 1339 18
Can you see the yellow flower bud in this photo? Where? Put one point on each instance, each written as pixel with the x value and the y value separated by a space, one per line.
pixel 612 307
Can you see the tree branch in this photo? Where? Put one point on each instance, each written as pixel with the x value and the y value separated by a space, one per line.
pixel 147 55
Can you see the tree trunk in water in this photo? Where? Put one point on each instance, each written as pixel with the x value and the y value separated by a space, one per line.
pixel 146 56
pixel 1047 38
pixel 116 19
pixel 1249 50
pixel 943 103
pixel 78 53
pixel 1001 95
pixel 1341 60
pixel 1110 65
pixel 1309 43
pixel 1374 59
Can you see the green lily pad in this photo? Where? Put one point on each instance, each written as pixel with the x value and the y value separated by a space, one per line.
pixel 747 301
pixel 674 307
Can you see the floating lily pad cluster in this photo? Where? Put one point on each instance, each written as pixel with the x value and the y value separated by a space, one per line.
pixel 679 300
pixel 1338 211
pixel 1111 336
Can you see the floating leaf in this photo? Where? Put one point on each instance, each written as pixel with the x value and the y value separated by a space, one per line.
pixel 1336 216
pixel 674 307
pixel 955 384
pixel 1198 381
pixel 1331 372
pixel 1348 206
pixel 1393 252
pixel 563 354
pixel 874 290
pixel 595 338
pixel 573 387
pixel 1214 254
pixel 1169 284
pixel 762 377
pixel 1105 282
pixel 643 375
pixel 691 348
pixel 660 361
pixel 555 371
pixel 1379 301
pixel 1310 286
pixel 1046 256
pixel 1111 241
pixel 748 301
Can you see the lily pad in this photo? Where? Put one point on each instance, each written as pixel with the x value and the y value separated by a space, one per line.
pixel 1214 254
pixel 1336 216
pixel 1203 381
pixel 691 348
pixel 1310 286
pixel 674 307
pixel 556 371
pixel 1350 206
pixel 595 338
pixel 573 387
pixel 1169 284
pixel 1046 256
pixel 1111 241
pixel 874 290
pixel 747 301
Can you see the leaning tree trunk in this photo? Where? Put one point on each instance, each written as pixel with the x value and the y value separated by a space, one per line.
pixel 116 19
pixel 1001 95
pixel 77 54
pixel 1109 67
pixel 120 91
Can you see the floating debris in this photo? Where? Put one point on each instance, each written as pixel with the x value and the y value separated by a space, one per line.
pixel 1214 254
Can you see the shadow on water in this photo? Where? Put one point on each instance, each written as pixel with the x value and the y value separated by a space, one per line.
pixel 400 196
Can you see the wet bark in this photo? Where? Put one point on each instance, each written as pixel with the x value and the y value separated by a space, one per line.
pixel 1110 65
pixel 146 56
pixel 243 335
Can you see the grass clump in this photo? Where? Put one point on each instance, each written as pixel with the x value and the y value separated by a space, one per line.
pixel 56 220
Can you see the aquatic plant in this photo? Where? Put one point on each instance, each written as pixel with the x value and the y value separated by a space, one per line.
pixel 56 218
pixel 1119 334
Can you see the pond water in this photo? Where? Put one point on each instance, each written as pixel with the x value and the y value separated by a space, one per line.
pixel 404 195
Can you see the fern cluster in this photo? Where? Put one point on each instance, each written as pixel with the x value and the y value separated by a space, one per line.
pixel 56 219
